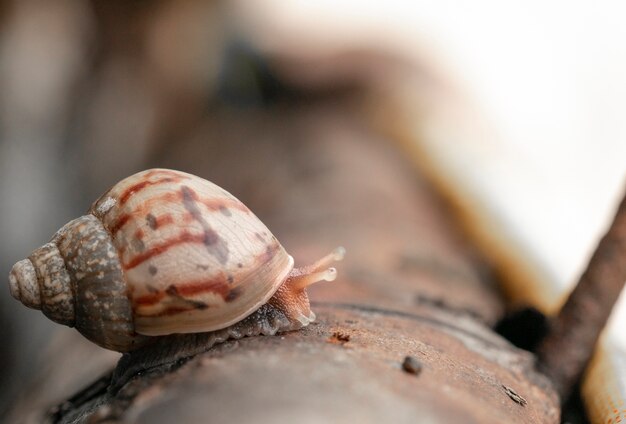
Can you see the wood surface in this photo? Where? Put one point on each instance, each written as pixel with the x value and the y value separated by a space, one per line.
pixel 410 286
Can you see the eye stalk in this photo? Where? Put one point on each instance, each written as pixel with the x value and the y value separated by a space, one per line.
pixel 291 298
pixel 302 277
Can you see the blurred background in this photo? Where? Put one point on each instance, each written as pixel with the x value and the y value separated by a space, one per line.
pixel 514 110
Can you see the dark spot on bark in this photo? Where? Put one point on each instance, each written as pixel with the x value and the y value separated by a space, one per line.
pixel 411 365
pixel 230 279
pixel 339 338
pixel 152 222
pixel 259 237
pixel 239 265
pixel 525 327
pixel 225 211
pixel 171 290
pixel 152 270
pixel 203 267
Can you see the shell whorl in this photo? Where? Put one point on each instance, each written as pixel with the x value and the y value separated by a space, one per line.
pixel 24 285
pixel 42 282
pixel 76 280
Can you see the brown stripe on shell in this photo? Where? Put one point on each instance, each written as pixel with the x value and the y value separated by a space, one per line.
pixel 137 187
pixel 172 291
pixel 222 205
pixel 149 299
pixel 148 205
pixel 162 220
pixel 248 292
pixel 184 291
pixel 153 222
pixel 217 285
pixel 183 237
pixel 121 221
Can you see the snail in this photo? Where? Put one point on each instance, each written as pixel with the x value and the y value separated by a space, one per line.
pixel 166 252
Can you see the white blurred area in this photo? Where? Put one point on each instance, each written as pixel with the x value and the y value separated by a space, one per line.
pixel 530 126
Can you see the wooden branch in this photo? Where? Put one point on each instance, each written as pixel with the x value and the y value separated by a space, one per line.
pixel 568 347
pixel 409 288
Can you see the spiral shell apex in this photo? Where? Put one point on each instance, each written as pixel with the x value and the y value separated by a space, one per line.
pixel 165 252
pixel 23 284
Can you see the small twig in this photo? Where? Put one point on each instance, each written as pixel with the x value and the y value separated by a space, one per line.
pixel 573 334
pixel 514 396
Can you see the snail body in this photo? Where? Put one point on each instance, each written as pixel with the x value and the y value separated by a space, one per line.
pixel 165 252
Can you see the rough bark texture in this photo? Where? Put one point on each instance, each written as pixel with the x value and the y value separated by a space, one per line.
pixel 567 349
pixel 409 287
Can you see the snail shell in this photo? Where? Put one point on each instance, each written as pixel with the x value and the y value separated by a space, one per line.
pixel 164 252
